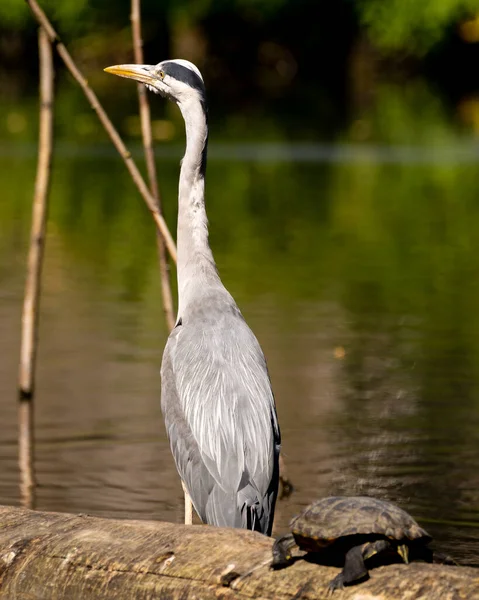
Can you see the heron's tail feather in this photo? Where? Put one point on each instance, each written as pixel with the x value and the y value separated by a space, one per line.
pixel 241 510
pixel 222 510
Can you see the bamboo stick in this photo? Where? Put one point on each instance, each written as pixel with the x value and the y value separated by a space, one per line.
pixel 145 118
pixel 30 315
pixel 107 124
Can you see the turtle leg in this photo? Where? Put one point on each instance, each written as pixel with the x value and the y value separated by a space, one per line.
pixel 372 548
pixel 354 568
pixel 281 550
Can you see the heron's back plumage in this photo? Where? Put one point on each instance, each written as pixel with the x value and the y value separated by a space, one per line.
pixel 220 414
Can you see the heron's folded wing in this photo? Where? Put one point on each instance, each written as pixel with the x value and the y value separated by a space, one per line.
pixel 186 453
pixel 225 398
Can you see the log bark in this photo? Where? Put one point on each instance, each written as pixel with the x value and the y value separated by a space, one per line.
pixel 53 556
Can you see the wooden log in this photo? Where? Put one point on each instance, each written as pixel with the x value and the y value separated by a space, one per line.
pixel 53 556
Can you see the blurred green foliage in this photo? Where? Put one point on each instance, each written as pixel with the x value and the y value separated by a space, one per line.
pixel 410 26
pixel 395 25
pixel 66 13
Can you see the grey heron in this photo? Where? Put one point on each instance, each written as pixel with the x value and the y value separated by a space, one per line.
pixel 216 394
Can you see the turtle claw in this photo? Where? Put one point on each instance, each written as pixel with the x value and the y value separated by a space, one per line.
pixel 403 552
pixel 336 584
pixel 281 551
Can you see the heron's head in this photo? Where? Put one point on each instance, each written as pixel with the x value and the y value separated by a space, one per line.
pixel 178 79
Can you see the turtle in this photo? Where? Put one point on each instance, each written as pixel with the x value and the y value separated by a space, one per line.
pixel 352 529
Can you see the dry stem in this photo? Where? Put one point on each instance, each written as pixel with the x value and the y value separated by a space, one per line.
pixel 150 162
pixel 30 315
pixel 107 124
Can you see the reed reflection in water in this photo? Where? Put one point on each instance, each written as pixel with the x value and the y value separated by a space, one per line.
pixel 359 278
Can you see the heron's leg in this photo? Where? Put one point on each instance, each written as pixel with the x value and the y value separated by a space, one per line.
pixel 281 550
pixel 188 506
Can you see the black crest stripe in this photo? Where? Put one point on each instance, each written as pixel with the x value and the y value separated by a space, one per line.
pixel 181 73
pixel 184 74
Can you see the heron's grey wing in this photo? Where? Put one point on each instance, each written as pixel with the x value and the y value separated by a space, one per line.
pixel 211 502
pixel 226 404
pixel 186 454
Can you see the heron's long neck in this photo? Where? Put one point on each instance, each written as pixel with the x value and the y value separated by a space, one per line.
pixel 196 265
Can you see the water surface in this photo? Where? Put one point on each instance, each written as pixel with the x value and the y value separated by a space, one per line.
pixel 357 266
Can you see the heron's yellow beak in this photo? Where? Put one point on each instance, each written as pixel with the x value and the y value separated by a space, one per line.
pixel 139 73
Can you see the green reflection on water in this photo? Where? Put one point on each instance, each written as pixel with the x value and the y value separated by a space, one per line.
pixel 379 238
pixel 392 245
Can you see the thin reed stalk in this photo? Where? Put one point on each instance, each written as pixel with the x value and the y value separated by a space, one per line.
pixel 107 124
pixel 31 303
pixel 145 118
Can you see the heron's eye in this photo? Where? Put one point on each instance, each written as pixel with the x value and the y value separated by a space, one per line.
pixel 161 74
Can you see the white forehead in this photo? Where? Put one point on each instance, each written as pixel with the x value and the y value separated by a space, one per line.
pixel 187 64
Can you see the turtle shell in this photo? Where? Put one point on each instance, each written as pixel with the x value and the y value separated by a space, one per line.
pixel 326 520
